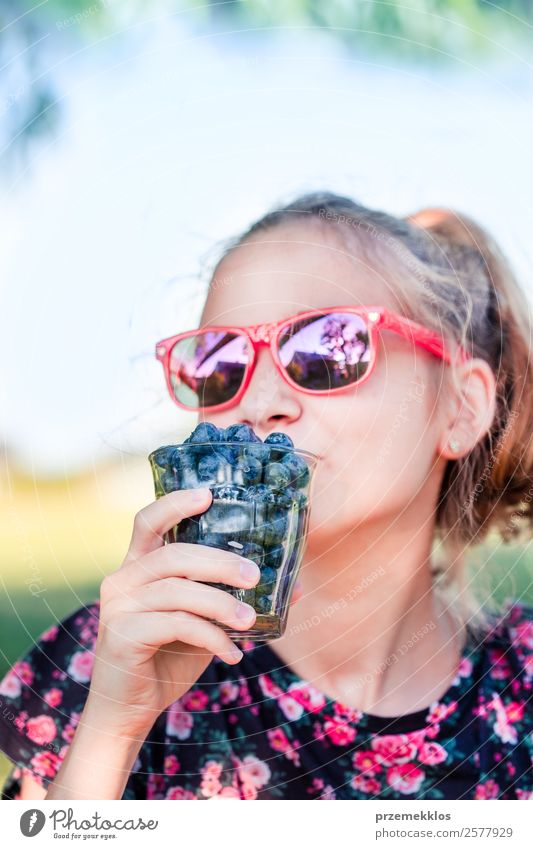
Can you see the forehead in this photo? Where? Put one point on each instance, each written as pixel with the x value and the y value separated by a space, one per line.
pixel 295 267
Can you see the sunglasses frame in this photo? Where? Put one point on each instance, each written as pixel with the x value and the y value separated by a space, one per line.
pixel 377 318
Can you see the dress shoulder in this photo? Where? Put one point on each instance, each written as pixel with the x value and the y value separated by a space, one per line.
pixel 42 696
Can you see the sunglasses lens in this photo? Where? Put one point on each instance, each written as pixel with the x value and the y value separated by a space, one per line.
pixel 326 351
pixel 208 369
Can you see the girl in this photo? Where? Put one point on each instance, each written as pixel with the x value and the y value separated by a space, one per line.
pixel 390 681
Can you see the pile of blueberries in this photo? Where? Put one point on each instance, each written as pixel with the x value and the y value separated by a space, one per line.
pixel 259 505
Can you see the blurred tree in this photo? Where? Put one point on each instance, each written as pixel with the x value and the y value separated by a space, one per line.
pixel 35 35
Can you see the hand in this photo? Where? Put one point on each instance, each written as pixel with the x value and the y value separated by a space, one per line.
pixel 154 638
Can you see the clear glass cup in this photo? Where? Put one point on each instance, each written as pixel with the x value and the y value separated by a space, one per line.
pixel 260 509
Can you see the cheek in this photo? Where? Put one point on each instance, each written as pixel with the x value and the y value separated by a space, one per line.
pixel 373 466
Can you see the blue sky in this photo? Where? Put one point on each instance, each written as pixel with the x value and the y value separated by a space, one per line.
pixel 170 143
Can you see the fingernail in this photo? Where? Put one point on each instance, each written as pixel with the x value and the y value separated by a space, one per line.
pixel 236 654
pixel 249 570
pixel 199 494
pixel 244 611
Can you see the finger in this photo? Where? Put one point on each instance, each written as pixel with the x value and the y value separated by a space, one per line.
pixel 161 515
pixel 188 560
pixel 194 597
pixel 153 630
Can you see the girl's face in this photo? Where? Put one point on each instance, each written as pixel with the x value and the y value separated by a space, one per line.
pixel 376 443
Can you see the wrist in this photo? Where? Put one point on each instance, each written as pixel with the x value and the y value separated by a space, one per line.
pixel 124 722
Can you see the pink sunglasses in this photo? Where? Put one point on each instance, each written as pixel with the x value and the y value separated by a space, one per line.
pixel 319 352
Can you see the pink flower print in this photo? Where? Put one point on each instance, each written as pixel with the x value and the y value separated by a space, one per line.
pixel 524 794
pixel 328 793
pixel 155 786
pixel 179 722
pixel 171 765
pixel 195 700
pixel 464 670
pixel 514 711
pixel 278 739
pixel 290 707
pixel 179 793
pixel 431 753
pixel 433 730
pixel 393 749
pixel 10 685
pixel 308 696
pixel 41 729
pixel 20 720
pixel 50 634
pixel 348 714
pixel 405 778
pixel 253 771
pixel 488 790
pixel 500 669
pixel 53 697
pixel 268 688
pixel 228 692
pixel 316 784
pixel 417 737
pixel 338 732
pixel 68 731
pixel 210 785
pixel 439 711
pixel 81 666
pixel 366 761
pixel 365 785
pixel 23 670
pixel 502 726
pixel 212 769
pixel 523 634
pixel 228 792
pixel 249 791
pixel 45 764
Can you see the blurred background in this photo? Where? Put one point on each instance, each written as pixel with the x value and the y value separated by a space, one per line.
pixel 135 138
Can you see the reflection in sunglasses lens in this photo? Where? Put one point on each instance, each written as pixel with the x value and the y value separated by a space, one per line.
pixel 324 352
pixel 208 369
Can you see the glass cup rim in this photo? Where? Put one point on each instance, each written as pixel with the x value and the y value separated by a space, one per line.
pixel 187 445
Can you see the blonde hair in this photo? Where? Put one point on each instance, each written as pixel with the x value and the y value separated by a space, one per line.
pixel 454 278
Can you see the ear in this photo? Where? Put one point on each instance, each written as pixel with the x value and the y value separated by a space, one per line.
pixel 470 409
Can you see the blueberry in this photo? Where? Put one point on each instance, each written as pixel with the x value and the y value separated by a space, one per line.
pixel 253 552
pixel 273 556
pixel 285 500
pixel 275 530
pixel 187 531
pixel 279 439
pixel 268 575
pixel 161 455
pixel 259 493
pixel 298 468
pixel 168 481
pixel 258 451
pixel 204 432
pixel 265 588
pixel 207 468
pixel 263 604
pixel 251 470
pixel 277 476
pixel 239 433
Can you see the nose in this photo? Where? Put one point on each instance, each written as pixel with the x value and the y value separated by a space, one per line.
pixel 268 401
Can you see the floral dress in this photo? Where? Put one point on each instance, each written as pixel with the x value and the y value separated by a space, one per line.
pixel 257 730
